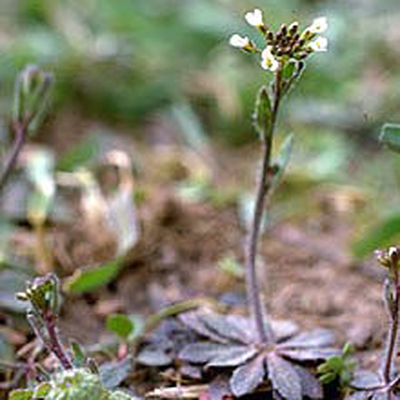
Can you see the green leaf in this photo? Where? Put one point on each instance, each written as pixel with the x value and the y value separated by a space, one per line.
pixel 79 357
pixel 191 128
pixel 42 390
pixel 289 69
pixel 379 236
pixel 390 136
pixel 21 394
pixel 89 280
pixel 282 160
pixel 79 155
pixel 120 324
pixel 263 114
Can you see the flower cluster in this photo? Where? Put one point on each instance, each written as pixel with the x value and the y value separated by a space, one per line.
pixel 288 43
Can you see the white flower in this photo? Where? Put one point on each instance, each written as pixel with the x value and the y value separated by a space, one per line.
pixel 319 44
pixel 239 41
pixel 254 18
pixel 268 61
pixel 319 25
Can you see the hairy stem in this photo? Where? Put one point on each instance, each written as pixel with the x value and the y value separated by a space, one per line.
pixel 264 330
pixel 21 134
pixel 393 329
pixel 54 343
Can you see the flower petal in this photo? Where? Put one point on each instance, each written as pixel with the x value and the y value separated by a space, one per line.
pixel 254 18
pixel 239 41
pixel 319 25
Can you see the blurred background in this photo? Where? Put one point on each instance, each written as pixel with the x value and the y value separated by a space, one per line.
pixel 160 68
pixel 158 80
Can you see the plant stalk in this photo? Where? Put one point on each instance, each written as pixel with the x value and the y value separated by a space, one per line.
pixel 263 327
pixel 393 328
pixel 54 343
pixel 21 134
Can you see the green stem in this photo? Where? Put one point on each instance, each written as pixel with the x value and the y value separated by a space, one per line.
pixel 263 327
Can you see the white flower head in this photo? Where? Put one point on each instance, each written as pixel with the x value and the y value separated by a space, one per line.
pixel 254 18
pixel 319 45
pixel 268 61
pixel 319 25
pixel 239 41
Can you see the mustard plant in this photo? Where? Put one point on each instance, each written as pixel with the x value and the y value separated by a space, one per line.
pixel 261 348
pixel 283 57
pixel 384 384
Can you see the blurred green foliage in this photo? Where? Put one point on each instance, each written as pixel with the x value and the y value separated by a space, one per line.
pixel 124 60
pixel 131 62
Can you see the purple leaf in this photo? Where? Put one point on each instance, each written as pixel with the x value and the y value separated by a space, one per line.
pixel 284 377
pixel 246 378
pixel 201 353
pixel 193 321
pixel 284 329
pixel 310 385
pixel 310 354
pixel 219 387
pixel 359 396
pixel 243 324
pixel 363 379
pixel 234 356
pixel 222 326
pixel 314 338
pixel 153 357
pixel 191 371
pixel 384 396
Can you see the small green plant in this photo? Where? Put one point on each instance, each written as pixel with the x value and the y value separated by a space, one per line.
pixel 385 383
pixel 74 384
pixel 338 368
pixel 256 347
pixel 43 297
pixel 79 378
pixel 32 89
pixel 284 55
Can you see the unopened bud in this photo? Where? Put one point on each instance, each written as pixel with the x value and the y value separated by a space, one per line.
pixel 293 28
pixel 31 92
pixel 383 258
